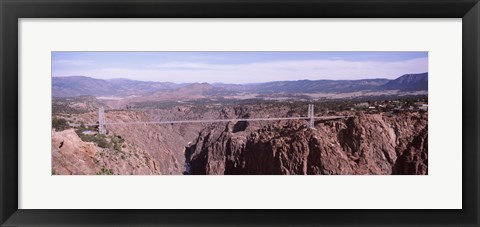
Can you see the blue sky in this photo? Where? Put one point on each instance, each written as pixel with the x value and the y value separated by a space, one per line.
pixel 238 67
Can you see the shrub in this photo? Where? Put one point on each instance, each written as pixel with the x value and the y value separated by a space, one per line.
pixel 99 139
pixel 59 124
pixel 117 146
pixel 117 143
pixel 105 171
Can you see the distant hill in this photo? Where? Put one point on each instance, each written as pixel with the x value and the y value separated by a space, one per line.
pixel 81 85
pixel 324 86
pixel 408 82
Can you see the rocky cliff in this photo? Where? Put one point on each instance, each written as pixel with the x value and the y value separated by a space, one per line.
pixel 163 142
pixel 72 156
pixel 361 144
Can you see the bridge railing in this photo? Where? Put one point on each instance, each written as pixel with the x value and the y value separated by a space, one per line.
pixel 310 117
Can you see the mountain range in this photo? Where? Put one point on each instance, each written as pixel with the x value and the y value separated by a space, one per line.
pixel 81 85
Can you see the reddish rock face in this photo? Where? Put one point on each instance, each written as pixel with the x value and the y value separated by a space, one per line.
pixel 367 143
pixel 414 159
pixel 362 144
pixel 72 156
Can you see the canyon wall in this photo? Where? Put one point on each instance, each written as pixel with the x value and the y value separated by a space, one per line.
pixel 364 143
pixel 72 156
pixel 361 144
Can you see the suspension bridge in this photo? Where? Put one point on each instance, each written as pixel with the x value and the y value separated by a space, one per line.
pixel 102 123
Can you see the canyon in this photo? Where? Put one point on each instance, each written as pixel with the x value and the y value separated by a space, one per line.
pixel 382 128
pixel 362 143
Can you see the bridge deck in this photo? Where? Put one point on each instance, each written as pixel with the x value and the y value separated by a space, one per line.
pixel 216 120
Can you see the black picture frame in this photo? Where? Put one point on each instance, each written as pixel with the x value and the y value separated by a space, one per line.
pixel 12 10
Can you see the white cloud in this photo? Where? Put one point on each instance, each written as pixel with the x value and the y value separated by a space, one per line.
pixel 261 72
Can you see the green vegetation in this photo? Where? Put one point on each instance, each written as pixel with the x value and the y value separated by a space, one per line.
pixel 105 171
pixel 100 140
pixel 65 108
pixel 59 124
pixel 70 105
pixel 103 141
pixel 117 142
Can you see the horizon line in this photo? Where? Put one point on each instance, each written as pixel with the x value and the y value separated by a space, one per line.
pixel 122 78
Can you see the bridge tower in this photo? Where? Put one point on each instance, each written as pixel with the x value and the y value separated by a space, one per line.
pixel 101 121
pixel 311 115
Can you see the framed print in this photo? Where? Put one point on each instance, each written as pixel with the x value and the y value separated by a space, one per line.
pixel 206 120
pixel 239 113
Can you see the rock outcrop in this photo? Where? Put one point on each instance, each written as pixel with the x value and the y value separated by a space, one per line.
pixel 165 143
pixel 361 144
pixel 72 156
